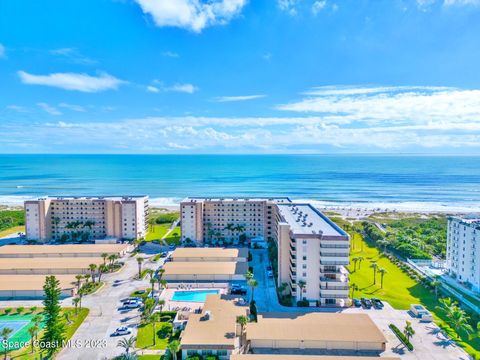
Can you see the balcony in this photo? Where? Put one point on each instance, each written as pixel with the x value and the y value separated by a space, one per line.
pixel 330 286
pixel 333 254
pixel 332 296
pixel 338 280
pixel 334 262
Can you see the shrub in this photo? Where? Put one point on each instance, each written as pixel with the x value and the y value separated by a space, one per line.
pixel 401 336
pixel 167 218
pixel 303 303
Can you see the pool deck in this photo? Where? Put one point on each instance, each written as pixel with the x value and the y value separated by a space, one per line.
pixel 191 306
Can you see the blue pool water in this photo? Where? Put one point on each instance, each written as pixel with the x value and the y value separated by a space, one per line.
pixel 193 296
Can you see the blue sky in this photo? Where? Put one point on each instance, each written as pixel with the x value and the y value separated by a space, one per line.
pixel 240 76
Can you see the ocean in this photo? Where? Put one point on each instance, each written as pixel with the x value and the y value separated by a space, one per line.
pixel 403 182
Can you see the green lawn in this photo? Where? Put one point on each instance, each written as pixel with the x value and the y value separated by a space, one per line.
pixel 174 236
pixel 157 232
pixel 12 230
pixel 150 357
pixel 145 336
pixel 398 288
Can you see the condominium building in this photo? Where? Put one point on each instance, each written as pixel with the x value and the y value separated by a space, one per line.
pixel 312 254
pixel 223 220
pixel 463 250
pixel 312 250
pixel 86 218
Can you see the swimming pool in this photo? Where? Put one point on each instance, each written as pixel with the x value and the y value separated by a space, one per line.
pixel 192 296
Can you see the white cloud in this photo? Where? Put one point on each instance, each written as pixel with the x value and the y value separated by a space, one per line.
pixel 49 109
pixel 73 81
pixel 170 54
pixel 318 6
pixel 17 108
pixel 193 15
pixel 2 51
pixel 289 6
pixel 461 2
pixel 152 89
pixel 184 88
pixel 403 104
pixel 73 107
pixel 238 98
pixel 72 55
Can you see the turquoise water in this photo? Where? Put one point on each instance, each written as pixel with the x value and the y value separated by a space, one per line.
pixel 192 296
pixel 421 181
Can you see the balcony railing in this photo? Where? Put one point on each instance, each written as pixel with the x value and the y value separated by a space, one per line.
pixel 333 287
pixel 334 280
pixel 327 254
pixel 334 246
pixel 334 262
pixel 333 296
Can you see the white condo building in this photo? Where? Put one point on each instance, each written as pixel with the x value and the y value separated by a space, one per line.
pixel 312 250
pixel 463 250
pixel 81 218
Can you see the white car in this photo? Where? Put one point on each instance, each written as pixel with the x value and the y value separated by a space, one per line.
pixel 122 330
pixel 270 273
pixel 132 304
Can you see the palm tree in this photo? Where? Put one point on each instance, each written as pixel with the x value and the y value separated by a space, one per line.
pixel 408 330
pixel 253 284
pixel 152 282
pixel 436 283
pixel 383 243
pixel 374 266
pixel 32 331
pixel 161 303
pixel 382 272
pixel 92 268
pixel 127 344
pixel 79 278
pixel 140 261
pixel 301 285
pixel 112 258
pixel 5 335
pixel 174 347
pixel 456 317
pixel 249 275
pixel 242 320
pixel 160 273
pixel 102 269
pixel 86 277
pixel 75 302
pixel 153 318
pixel 104 257
pixel 81 293
pixel 360 259
pixel 354 288
pixel 162 284
pixel 355 260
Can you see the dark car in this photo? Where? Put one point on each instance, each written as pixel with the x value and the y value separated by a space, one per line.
pixel 357 303
pixel 377 303
pixel 238 290
pixel 367 304
pixel 269 268
pixel 163 254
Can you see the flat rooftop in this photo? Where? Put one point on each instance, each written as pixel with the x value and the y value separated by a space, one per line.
pixel 216 329
pixel 113 197
pixel 305 357
pixel 315 327
pixel 239 199
pixel 210 253
pixel 205 268
pixel 63 249
pixel 33 282
pixel 306 219
pixel 45 263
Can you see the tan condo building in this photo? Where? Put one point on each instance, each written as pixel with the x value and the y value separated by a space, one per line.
pixel 86 218
pixel 312 250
